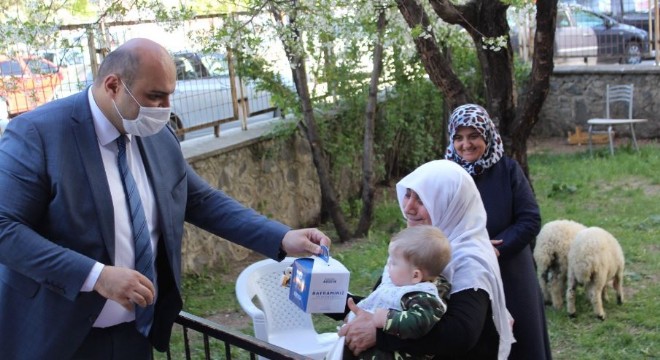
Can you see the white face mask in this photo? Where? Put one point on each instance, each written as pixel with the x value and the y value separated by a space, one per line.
pixel 149 120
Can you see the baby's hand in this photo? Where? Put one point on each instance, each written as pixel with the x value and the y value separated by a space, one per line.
pixel 380 318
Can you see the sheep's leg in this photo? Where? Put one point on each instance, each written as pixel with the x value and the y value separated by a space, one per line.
pixel 543 282
pixel 595 289
pixel 557 291
pixel 603 294
pixel 618 286
pixel 570 294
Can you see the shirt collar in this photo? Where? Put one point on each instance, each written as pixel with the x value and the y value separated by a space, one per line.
pixel 106 132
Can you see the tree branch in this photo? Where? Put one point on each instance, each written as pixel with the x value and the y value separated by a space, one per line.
pixel 436 64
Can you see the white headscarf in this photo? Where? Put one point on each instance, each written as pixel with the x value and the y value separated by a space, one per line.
pixel 455 207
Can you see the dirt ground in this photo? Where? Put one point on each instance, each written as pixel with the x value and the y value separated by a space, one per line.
pixel 240 321
pixel 560 145
pixel 553 145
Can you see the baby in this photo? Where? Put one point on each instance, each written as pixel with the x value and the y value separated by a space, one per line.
pixel 411 297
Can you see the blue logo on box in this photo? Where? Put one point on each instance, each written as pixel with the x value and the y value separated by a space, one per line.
pixel 301 274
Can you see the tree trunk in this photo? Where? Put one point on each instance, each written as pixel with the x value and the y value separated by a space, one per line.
pixel 368 187
pixel 496 67
pixel 299 73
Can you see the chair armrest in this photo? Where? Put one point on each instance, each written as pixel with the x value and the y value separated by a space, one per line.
pixel 250 308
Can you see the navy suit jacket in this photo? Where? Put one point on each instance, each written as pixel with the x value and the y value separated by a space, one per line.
pixel 56 221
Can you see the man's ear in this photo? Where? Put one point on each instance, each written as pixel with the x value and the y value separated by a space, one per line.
pixel 111 82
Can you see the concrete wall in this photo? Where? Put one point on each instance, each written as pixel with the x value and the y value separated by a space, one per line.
pixel 577 93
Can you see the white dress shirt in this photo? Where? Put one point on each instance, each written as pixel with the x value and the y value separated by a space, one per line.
pixel 113 313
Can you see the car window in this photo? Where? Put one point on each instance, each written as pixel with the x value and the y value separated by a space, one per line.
pixel 38 66
pixel 10 68
pixel 75 57
pixel 50 56
pixel 216 64
pixel 198 66
pixel 586 19
pixel 184 69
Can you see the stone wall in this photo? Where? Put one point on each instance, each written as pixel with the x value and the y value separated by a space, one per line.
pixel 274 176
pixel 577 93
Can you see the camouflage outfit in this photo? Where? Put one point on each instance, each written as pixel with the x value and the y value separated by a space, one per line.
pixel 417 312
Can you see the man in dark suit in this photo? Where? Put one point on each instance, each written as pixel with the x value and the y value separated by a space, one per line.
pixel 70 284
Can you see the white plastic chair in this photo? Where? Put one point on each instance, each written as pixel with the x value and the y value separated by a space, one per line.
pixel 275 318
pixel 616 94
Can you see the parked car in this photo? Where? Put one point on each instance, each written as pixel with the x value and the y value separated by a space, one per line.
pixel 27 82
pixel 584 33
pixel 581 32
pixel 635 13
pixel 638 19
pixel 203 92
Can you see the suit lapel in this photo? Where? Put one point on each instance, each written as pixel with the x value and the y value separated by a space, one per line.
pixel 153 165
pixel 85 138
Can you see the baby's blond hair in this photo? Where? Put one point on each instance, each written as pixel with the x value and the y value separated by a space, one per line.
pixel 425 247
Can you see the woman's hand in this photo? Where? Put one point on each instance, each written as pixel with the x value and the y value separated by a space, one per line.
pixel 360 333
pixel 495 244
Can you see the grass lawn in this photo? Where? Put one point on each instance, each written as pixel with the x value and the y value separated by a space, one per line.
pixel 620 194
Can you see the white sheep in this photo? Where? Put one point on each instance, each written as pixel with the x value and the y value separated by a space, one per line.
pixel 551 257
pixel 594 258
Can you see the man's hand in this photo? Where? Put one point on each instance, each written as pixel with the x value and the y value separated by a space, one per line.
pixel 360 332
pixel 125 286
pixel 304 241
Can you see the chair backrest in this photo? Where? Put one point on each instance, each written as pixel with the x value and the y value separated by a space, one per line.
pixel 619 94
pixel 261 281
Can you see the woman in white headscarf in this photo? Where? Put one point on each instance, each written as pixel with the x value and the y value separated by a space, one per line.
pixel 477 324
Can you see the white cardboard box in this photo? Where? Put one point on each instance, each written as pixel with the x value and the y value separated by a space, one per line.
pixel 318 286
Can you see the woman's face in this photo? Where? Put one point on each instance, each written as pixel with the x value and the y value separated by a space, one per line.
pixel 469 144
pixel 413 208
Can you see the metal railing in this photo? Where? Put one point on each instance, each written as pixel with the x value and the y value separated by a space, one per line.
pixel 200 338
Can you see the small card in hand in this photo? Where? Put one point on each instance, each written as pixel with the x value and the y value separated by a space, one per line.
pixel 325 253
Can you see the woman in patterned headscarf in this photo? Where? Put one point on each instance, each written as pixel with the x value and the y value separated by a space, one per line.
pixel 513 222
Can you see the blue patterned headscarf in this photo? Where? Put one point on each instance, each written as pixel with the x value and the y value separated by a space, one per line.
pixel 476 117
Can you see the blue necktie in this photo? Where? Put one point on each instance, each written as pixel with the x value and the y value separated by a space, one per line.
pixel 144 262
